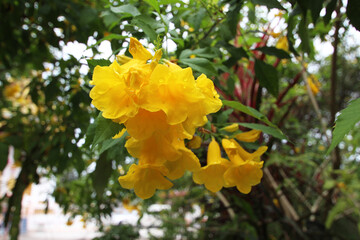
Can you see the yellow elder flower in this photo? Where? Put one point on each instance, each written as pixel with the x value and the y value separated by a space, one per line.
pixel 231 128
pixel 250 136
pixel 245 170
pixel 117 88
pixel 212 174
pixel 145 179
pixel 11 90
pixel 283 44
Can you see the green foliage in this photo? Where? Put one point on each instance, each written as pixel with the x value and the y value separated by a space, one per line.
pixel 105 129
pixel 352 11
pixel 345 122
pixel 267 76
pixel 274 52
pixel 117 232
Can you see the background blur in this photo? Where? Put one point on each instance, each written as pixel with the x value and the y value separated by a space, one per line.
pixel 295 61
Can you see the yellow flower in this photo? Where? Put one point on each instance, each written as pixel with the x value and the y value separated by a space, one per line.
pixel 186 162
pixel 194 143
pixel 117 88
pixel 212 174
pixel 283 44
pixel 231 128
pixel 145 179
pixel 274 34
pixel 250 136
pixel 314 84
pixel 192 56
pixel 11 90
pixel 245 170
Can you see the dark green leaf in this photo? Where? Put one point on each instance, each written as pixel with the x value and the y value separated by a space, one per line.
pixel 201 65
pixel 275 132
pixel 315 8
pixel 95 62
pixel 352 11
pixel 267 76
pixel 126 9
pixel 304 35
pixel 4 151
pixel 201 52
pixel 268 3
pixel 105 129
pixel 330 7
pixel 345 122
pixel 101 175
pixel 273 51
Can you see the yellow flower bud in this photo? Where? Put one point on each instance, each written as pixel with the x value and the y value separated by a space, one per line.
pixel 194 143
pixel 231 128
pixel 250 136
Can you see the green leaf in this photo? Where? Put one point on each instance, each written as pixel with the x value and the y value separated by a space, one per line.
pixel 105 129
pixel 126 9
pixel 315 8
pixel 330 7
pixel 201 52
pixel 267 76
pixel 4 151
pixel 275 132
pixel 249 110
pixel 147 28
pixel 352 11
pixel 154 4
pixel 274 52
pixel 92 63
pixel 100 177
pixel 339 208
pixel 268 3
pixel 201 65
pixel 304 35
pixel 112 142
pixel 345 122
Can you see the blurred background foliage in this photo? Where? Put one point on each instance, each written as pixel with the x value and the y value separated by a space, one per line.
pixel 263 54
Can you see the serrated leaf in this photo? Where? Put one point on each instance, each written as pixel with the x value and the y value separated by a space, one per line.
pixel 101 175
pixel 126 9
pixel 267 76
pixel 345 122
pixel 275 132
pixel 105 129
pixel 249 110
pixel 201 65
pixel 273 51
pixel 92 63
pixel 268 3
pixel 4 151
pixel 352 11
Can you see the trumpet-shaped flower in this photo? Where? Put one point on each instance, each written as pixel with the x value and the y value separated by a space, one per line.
pixel 117 88
pixel 145 179
pixel 212 175
pixel 245 170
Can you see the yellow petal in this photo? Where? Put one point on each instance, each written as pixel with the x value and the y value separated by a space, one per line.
pixel 250 136
pixel 119 134
pixel 138 51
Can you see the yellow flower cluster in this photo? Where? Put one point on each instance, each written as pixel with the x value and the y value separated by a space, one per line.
pixel 243 170
pixel 160 106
